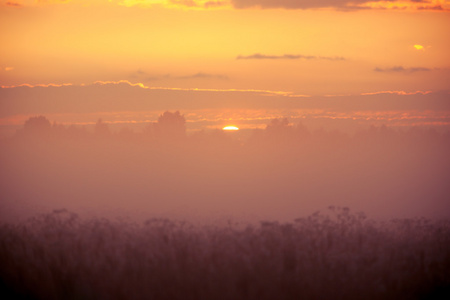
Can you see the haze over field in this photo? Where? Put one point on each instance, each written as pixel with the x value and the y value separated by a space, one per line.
pixel 279 173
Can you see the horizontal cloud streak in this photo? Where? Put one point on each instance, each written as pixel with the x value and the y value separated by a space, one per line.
pixel 339 4
pixel 202 75
pixel 12 4
pixel 398 93
pixel 107 96
pixel 288 56
pixel 144 76
pixel 293 4
pixel 400 69
pixel 345 5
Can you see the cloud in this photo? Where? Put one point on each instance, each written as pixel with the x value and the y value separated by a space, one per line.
pixel 212 4
pixel 292 4
pixel 188 3
pixel 431 7
pixel 339 4
pixel 201 75
pixel 45 99
pixel 342 5
pixel 9 3
pixel 144 76
pixel 404 93
pixel 183 4
pixel 288 56
pixel 45 85
pixel 197 3
pixel 27 3
pixel 143 86
pixel 400 69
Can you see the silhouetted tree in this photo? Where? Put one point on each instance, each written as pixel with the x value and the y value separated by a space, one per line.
pixel 302 131
pixel 171 125
pixel 279 130
pixel 37 125
pixel 101 129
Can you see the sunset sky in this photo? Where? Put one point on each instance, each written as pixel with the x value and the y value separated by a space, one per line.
pixel 295 48
pixel 337 70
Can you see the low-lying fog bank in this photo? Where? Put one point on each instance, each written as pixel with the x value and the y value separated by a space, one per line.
pixel 280 173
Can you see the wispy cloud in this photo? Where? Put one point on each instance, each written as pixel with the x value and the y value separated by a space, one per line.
pixel 402 93
pixel 401 69
pixel 293 4
pixel 341 4
pixel 431 7
pixel 9 3
pixel 141 85
pixel 144 86
pixel 198 3
pixel 35 85
pixel 145 76
pixel 202 75
pixel 190 4
pixel 289 56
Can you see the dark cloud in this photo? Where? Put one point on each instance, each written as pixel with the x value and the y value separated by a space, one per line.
pixel 285 56
pixel 431 7
pixel 331 57
pixel 400 69
pixel 201 75
pixel 188 3
pixel 211 4
pixel 343 5
pixel 194 3
pixel 288 56
pixel 297 4
pixel 142 75
pixel 88 99
pixel 13 4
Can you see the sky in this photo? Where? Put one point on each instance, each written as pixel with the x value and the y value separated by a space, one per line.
pixel 333 68
pixel 304 47
pixel 291 48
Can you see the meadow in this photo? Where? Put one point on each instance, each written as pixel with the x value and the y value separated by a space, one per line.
pixel 333 254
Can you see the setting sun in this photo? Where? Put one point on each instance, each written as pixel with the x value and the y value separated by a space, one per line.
pixel 230 128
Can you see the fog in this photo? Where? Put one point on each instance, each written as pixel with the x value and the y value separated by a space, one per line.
pixel 282 172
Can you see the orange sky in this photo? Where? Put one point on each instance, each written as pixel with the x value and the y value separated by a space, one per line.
pixel 292 47
pixel 334 68
pixel 316 50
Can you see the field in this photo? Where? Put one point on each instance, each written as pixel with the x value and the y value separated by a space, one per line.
pixel 336 254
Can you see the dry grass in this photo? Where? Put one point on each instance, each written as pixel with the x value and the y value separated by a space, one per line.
pixel 336 255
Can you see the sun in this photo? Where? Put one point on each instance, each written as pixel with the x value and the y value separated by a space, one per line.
pixel 230 128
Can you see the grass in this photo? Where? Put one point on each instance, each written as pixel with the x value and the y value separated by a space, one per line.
pixel 333 255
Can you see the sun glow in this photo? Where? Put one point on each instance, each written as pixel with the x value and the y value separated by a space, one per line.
pixel 230 128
